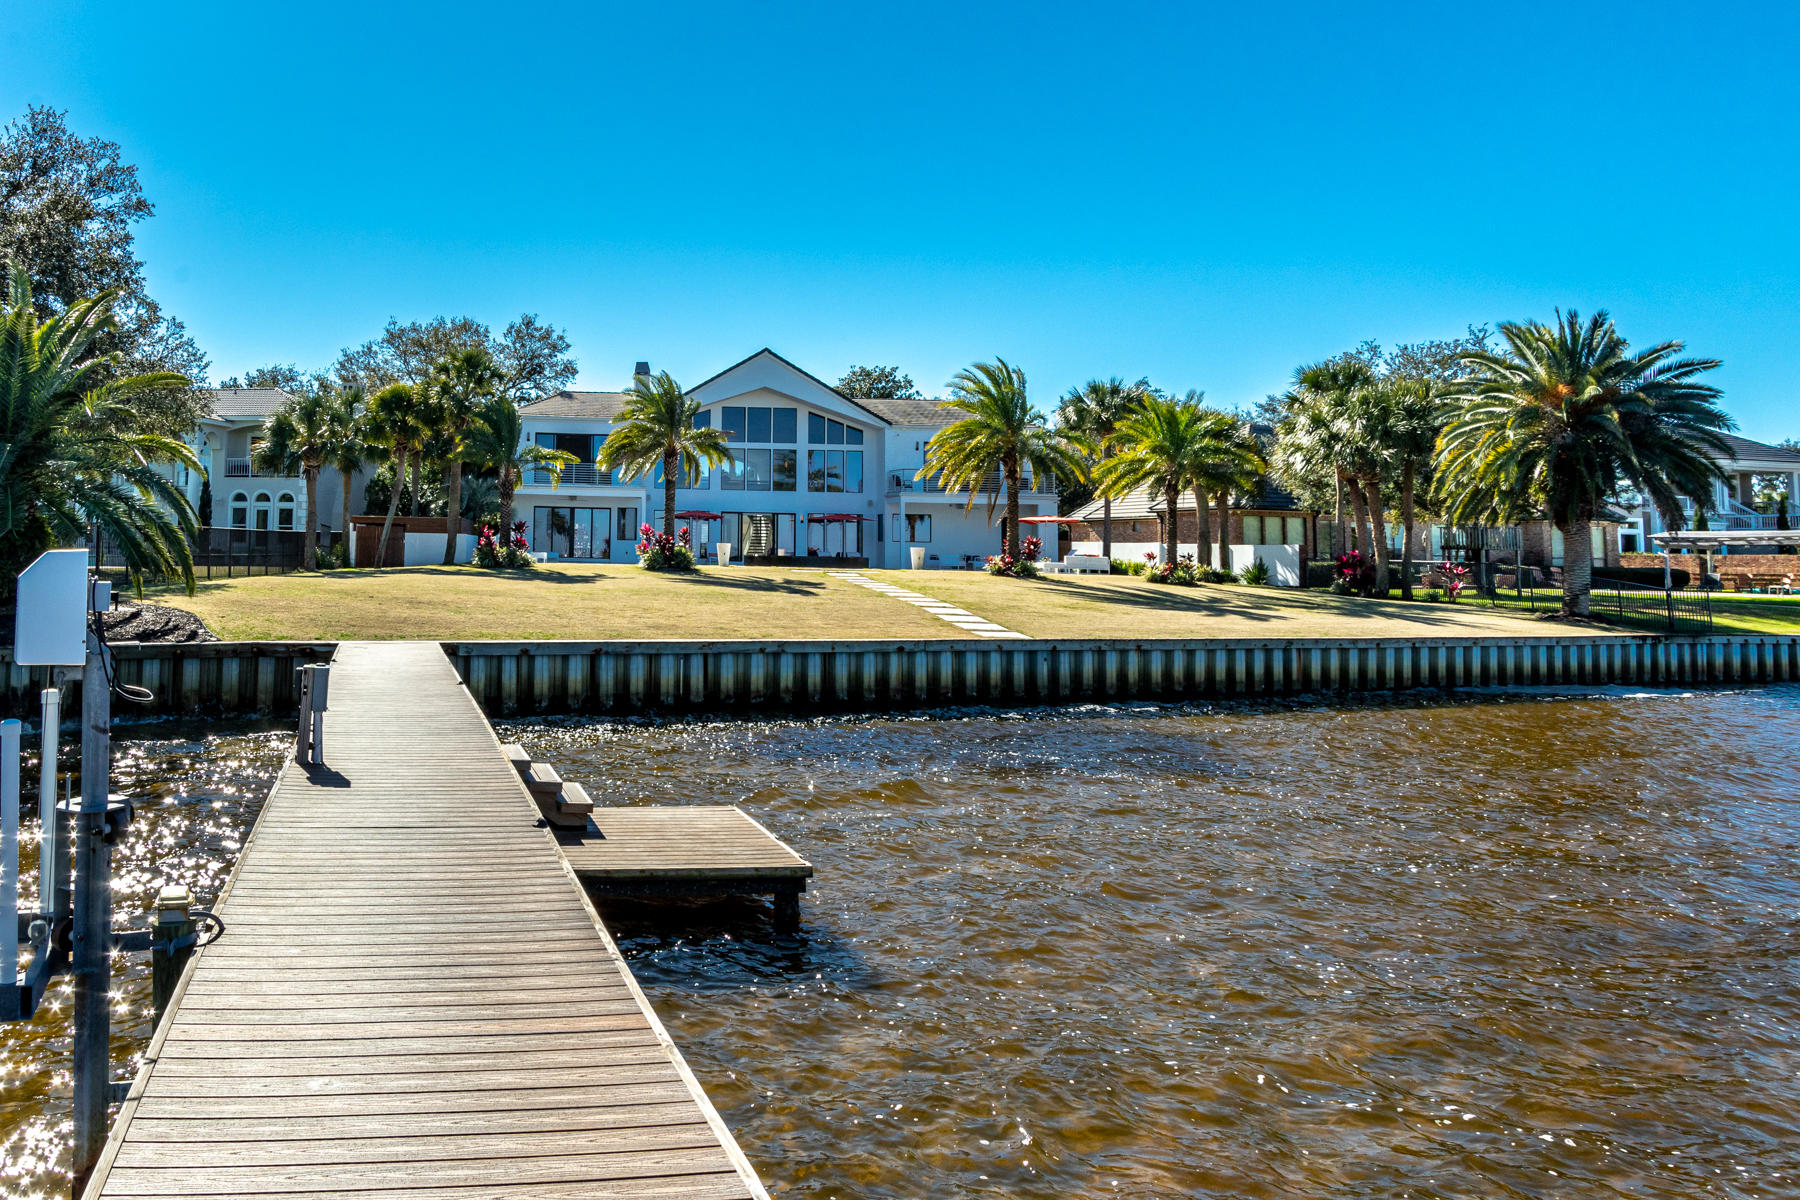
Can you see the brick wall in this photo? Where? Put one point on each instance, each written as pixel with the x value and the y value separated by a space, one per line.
pixel 1760 567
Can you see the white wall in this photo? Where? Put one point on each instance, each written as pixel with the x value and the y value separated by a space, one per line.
pixel 427 549
pixel 1283 562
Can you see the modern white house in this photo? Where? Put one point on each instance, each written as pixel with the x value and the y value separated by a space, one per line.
pixel 813 473
pixel 1732 505
pixel 242 496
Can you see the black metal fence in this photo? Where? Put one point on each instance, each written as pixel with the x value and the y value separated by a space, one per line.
pixel 222 552
pixel 1651 609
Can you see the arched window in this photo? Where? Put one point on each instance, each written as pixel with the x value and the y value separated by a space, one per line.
pixel 284 511
pixel 262 510
pixel 240 510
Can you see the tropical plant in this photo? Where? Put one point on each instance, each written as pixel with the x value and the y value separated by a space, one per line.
pixel 665 551
pixel 396 421
pixel 1228 460
pixel 297 439
pixel 75 454
pixel 349 449
pixel 999 433
pixel 481 500
pixel 503 548
pixel 656 428
pixel 1168 445
pixel 1094 411
pixel 1023 567
pixel 460 383
pixel 1564 415
pixel 1312 440
pixel 1256 573
pixel 497 442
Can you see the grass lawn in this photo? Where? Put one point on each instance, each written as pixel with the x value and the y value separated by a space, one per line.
pixel 583 601
pixel 1731 614
pixel 1085 606
pixel 555 601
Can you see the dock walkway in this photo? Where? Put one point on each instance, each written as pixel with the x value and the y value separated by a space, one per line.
pixel 414 998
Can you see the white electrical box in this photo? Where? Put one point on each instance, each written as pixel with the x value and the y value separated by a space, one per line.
pixel 53 607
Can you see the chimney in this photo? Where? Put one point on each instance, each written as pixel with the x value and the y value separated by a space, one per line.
pixel 642 370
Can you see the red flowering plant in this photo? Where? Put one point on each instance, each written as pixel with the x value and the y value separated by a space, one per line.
pixel 663 552
pixel 1456 578
pixel 1354 574
pixel 511 552
pixel 1183 571
pixel 1023 567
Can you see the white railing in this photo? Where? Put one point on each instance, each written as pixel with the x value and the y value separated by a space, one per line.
pixel 585 474
pixel 238 468
pixel 904 482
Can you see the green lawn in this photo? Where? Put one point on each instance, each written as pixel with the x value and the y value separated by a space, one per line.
pixel 582 601
pixel 1730 613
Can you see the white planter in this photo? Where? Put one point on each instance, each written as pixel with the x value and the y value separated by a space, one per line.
pixel 918 557
pixel 723 550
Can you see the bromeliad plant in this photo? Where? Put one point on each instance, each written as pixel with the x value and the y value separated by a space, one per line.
pixel 1183 571
pixel 1456 578
pixel 663 551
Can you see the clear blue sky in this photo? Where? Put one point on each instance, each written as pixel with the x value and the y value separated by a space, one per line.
pixel 1205 196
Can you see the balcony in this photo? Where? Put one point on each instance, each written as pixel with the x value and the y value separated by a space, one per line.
pixel 934 486
pixel 238 468
pixel 573 475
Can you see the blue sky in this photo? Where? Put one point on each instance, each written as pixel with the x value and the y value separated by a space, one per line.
pixel 1205 196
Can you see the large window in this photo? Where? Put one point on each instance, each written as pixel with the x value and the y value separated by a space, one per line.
pixel 767 426
pixel 1274 531
pixel 918 527
pixel 240 510
pixel 834 470
pixel 760 471
pixel 822 431
pixel 578 532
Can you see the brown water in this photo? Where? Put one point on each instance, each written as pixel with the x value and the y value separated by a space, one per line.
pixel 1521 946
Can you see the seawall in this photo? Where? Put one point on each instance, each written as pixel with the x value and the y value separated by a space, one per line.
pixel 511 678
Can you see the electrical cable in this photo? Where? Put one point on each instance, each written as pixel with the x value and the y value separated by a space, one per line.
pixel 125 691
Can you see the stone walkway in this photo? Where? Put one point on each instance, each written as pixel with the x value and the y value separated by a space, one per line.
pixel 959 617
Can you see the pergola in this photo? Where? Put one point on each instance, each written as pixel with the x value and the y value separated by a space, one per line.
pixel 1707 542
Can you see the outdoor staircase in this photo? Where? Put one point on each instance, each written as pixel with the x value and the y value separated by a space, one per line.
pixel 564 805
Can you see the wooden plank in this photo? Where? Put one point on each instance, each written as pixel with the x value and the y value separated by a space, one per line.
pixel 413 998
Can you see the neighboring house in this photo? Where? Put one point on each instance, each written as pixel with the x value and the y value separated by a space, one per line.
pixel 1270 516
pixel 1732 504
pixel 242 496
pixel 813 472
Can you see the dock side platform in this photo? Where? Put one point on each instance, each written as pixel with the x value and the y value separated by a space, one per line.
pixel 413 997
pixel 686 850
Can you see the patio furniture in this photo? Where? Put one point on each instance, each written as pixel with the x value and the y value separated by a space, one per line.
pixel 1784 588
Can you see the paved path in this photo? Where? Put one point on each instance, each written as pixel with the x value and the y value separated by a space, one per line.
pixel 961 618
pixel 413 997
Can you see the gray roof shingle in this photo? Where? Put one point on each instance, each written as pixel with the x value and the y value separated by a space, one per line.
pixel 916 411
pixel 1746 450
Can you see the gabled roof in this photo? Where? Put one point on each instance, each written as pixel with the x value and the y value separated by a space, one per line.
pixel 1743 449
pixel 247 404
pixel 798 370
pixel 579 406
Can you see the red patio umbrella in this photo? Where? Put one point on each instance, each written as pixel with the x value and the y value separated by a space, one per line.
pixel 1051 521
pixel 697 515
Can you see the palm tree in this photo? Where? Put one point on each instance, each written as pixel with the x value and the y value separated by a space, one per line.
pixel 396 421
pixel 1155 448
pixel 1415 418
pixel 1565 414
pixel 75 455
pixel 999 432
pixel 656 427
pixel 349 447
pixel 1094 411
pixel 497 442
pixel 297 438
pixel 1229 459
pixel 1316 438
pixel 460 383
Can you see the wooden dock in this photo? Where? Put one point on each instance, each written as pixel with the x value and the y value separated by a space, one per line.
pixel 413 997
pixel 687 850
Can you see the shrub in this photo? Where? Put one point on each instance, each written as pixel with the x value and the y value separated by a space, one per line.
pixel 1124 567
pixel 1216 575
pixel 1355 574
pixel 1256 574
pixel 331 558
pixel 1183 572
pixel 660 552
pixel 503 552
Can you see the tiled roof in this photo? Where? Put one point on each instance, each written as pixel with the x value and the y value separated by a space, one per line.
pixel 247 404
pixel 1745 450
pixel 580 406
